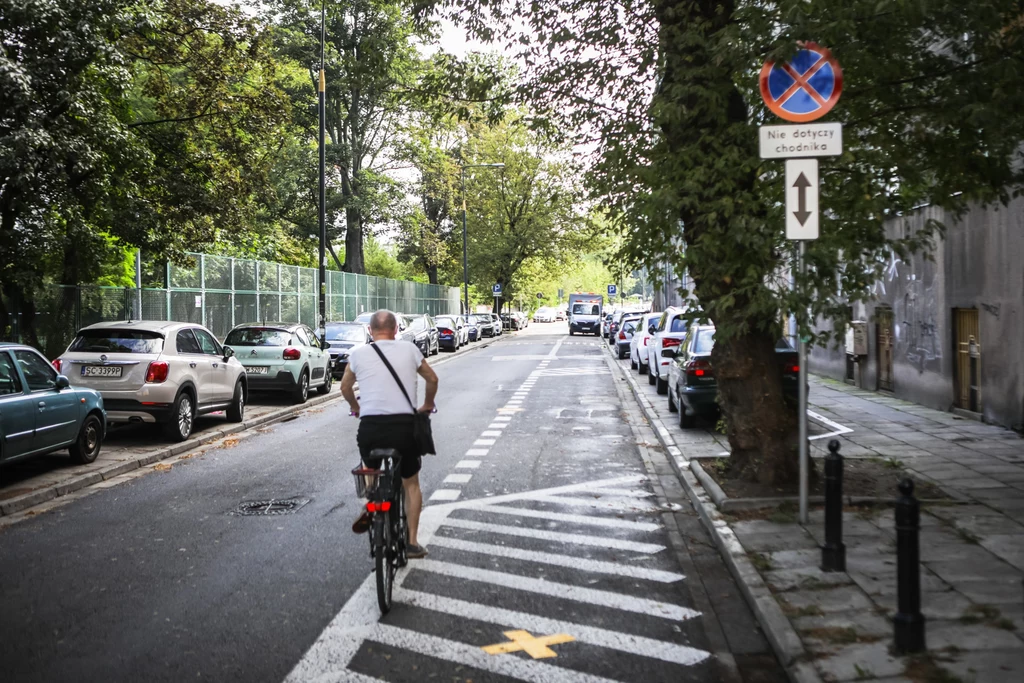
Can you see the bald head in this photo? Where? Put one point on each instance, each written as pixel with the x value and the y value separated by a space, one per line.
pixel 383 325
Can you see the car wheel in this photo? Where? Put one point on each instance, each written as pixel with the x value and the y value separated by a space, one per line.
pixel 183 417
pixel 90 439
pixel 302 389
pixel 632 363
pixel 236 411
pixel 671 403
pixel 686 421
pixel 652 379
pixel 662 386
pixel 641 368
pixel 325 388
pixel 571 333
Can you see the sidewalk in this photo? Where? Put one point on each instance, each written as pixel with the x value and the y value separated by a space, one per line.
pixel 837 626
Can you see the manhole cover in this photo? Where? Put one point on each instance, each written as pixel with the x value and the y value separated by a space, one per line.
pixel 273 506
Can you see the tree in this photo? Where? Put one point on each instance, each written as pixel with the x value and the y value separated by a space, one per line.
pixel 932 113
pixel 371 67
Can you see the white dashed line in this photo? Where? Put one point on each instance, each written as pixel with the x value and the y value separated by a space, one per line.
pixel 503 418
pixel 558 537
pixel 477 452
pixel 491 433
pixel 467 464
pixel 457 479
pixel 484 442
pixel 446 494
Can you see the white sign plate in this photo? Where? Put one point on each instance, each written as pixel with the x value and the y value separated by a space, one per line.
pixel 801 140
pixel 801 199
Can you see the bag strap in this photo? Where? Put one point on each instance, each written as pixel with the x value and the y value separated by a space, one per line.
pixel 394 374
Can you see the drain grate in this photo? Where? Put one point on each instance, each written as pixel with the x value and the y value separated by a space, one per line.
pixel 273 506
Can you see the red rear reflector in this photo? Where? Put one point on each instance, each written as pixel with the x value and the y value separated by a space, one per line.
pixel 157 372
pixel 56 364
pixel 645 340
pixel 291 354
pixel 378 507
pixel 669 341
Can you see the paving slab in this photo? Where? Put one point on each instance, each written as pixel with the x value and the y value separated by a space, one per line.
pixel 860 662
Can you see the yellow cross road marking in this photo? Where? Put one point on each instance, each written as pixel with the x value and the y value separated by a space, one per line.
pixel 523 641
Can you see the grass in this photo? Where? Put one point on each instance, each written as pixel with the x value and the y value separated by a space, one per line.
pixel 839 636
pixel 986 614
pixel 762 563
pixel 808 611
pixel 863 674
pixel 786 513
pixel 923 668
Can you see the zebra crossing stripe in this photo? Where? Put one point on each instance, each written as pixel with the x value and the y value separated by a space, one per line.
pixel 545 535
pixel 580 563
pixel 624 493
pixel 613 640
pixel 590 596
pixel 445 494
pixel 627 505
pixel 472 656
pixel 608 522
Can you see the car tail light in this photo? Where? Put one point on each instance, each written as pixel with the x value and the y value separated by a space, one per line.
pixel 622 335
pixel 792 368
pixel 291 354
pixel 157 372
pixel 669 342
pixel 699 368
pixel 444 330
pixel 378 507
pixel 57 363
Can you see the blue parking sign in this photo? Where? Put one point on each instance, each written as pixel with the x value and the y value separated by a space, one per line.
pixel 496 290
pixel 612 290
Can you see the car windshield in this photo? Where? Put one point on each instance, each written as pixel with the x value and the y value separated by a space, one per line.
pixel 118 341
pixel 479 319
pixel 345 333
pixel 364 318
pixel 258 336
pixel 705 341
pixel 586 309
pixel 678 325
pixel 445 322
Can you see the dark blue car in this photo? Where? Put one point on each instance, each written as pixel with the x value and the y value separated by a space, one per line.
pixel 41 412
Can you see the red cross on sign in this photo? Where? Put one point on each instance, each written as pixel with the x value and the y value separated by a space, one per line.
pixel 806 87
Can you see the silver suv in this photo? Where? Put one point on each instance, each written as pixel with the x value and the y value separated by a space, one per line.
pixel 160 372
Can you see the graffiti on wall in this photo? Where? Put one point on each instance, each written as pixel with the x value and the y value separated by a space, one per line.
pixel 915 311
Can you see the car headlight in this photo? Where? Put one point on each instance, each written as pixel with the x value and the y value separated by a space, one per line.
pixel 343 356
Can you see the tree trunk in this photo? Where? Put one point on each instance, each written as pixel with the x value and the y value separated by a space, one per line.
pixel 354 242
pixel 760 425
pixel 432 274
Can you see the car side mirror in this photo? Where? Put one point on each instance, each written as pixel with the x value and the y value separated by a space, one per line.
pixel 651 330
pixel 62 382
pixel 228 353
pixel 669 353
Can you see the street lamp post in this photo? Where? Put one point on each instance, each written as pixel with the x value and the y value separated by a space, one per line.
pixel 465 241
pixel 322 111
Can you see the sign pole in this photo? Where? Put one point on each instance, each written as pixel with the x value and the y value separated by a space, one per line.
pixel 802 408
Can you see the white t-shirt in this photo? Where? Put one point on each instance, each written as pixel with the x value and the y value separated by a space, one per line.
pixel 378 392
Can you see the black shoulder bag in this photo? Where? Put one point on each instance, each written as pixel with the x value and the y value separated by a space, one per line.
pixel 422 431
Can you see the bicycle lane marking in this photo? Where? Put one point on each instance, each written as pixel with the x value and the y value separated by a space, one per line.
pixel 329 657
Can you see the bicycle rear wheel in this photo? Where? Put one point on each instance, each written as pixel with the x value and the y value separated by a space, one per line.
pixel 384 568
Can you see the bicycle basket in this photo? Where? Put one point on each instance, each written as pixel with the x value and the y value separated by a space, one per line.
pixel 367 480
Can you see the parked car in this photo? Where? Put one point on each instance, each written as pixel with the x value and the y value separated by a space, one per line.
pixel 606 322
pixel 283 357
pixel 626 328
pixel 495 324
pixel 484 324
pixel 41 412
pixel 638 345
pixel 693 390
pixel 424 333
pixel 613 327
pixel 364 318
pixel 472 329
pixel 157 371
pixel 511 321
pixel 524 319
pixel 341 340
pixel 452 332
pixel 544 315
pixel 561 314
pixel 667 336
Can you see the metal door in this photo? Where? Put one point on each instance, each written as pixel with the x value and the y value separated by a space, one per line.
pixel 968 360
pixel 886 334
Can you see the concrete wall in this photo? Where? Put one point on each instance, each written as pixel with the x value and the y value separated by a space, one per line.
pixel 979 264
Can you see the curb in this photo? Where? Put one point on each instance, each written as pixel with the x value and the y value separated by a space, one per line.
pixel 43 495
pixel 780 633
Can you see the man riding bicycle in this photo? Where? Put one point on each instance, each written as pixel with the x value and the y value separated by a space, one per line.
pixel 385 420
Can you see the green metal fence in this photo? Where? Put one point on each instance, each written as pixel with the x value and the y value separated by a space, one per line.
pixel 221 292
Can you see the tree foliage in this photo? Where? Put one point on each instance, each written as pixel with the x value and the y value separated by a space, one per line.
pixel 668 89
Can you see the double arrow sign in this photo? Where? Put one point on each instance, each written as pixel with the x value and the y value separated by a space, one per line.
pixel 801 199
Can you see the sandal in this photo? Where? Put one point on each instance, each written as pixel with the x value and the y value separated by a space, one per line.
pixel 361 525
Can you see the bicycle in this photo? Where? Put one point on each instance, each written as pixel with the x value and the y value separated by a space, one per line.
pixel 389 530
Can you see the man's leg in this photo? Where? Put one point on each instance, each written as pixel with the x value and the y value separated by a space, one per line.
pixel 413 504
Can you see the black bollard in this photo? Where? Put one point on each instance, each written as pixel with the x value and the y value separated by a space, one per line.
pixel 908 622
pixel 833 552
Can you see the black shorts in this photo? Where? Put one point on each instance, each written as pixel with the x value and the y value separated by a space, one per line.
pixel 389 431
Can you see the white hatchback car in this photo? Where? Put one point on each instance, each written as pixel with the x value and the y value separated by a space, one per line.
pixel 640 343
pixel 284 357
pixel 155 371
